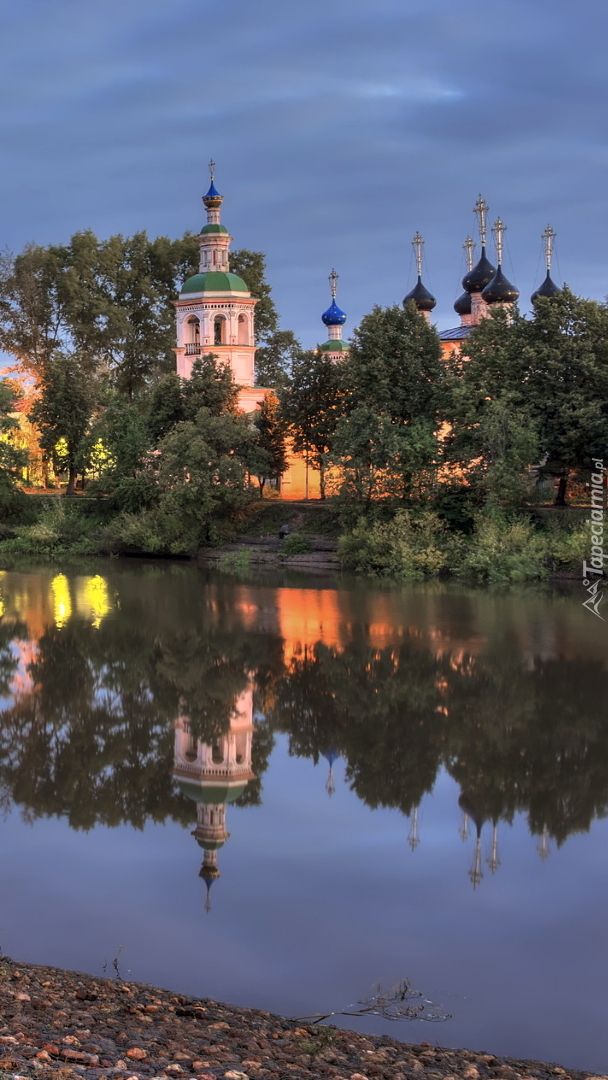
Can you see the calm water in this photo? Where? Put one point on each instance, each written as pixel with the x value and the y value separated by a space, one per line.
pixel 375 784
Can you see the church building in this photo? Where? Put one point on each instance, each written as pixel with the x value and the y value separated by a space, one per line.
pixel 215 313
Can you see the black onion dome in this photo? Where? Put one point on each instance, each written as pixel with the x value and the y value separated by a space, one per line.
pixel 423 299
pixel 462 306
pixel 480 275
pixel 548 289
pixel 499 290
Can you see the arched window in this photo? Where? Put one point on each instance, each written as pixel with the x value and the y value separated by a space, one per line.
pixel 243 337
pixel 194 330
pixel 217 755
pixel 219 330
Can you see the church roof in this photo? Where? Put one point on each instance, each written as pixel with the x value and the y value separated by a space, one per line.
pixel 213 228
pixel 219 793
pixel 499 290
pixel 334 316
pixel 214 281
pixel 334 345
pixel 481 274
pixel 548 289
pixel 423 299
pixel 459 333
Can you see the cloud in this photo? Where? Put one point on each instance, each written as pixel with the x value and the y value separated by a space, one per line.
pixel 339 129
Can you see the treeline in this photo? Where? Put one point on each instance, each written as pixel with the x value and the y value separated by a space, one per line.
pixel 418 449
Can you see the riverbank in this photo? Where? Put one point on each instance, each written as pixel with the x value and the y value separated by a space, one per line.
pixel 63 1024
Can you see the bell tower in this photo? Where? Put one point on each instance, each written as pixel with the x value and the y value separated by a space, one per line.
pixel 215 310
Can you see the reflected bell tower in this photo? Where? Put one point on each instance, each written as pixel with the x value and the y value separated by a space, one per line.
pixel 213 775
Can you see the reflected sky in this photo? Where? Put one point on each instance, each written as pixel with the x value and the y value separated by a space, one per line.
pixel 376 784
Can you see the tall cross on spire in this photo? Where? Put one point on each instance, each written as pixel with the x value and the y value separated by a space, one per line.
pixel 548 236
pixel 333 283
pixel 481 208
pixel 498 229
pixel 417 244
pixel 212 170
pixel 469 247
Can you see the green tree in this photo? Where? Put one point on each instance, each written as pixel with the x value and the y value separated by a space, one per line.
pixel 274 360
pixel 110 300
pixel 251 266
pixel 312 406
pixel 118 444
pixel 202 479
pixel 394 379
pixel 166 407
pixel 62 413
pixel 174 400
pixel 535 390
pixel 11 458
pixel 267 458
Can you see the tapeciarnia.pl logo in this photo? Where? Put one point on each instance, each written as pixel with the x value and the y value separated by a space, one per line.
pixel 593 571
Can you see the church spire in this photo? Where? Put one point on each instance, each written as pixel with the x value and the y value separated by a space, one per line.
pixel 334 319
pixel 476 279
pixel 214 240
pixel 499 290
pixel 548 287
pixel 423 299
pixel 462 306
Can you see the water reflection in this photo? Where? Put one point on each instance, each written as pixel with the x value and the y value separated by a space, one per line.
pixel 156 695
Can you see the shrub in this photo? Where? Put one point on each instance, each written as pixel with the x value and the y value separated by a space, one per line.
pixel 409 547
pixel 502 551
pixel 295 544
pixel 60 530
pixel 235 562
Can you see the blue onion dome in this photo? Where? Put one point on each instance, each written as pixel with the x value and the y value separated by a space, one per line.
pixel 480 276
pixel 334 316
pixel 330 756
pixel 547 289
pixel 212 200
pixel 423 299
pixel 499 290
pixel 462 306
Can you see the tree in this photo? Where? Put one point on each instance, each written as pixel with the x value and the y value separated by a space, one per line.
pixel 274 360
pixel 394 393
pixel 534 390
pixel 110 300
pixel 11 458
pixel 62 413
pixel 202 479
pixel 312 406
pixel 117 447
pixel 210 387
pixel 395 366
pixel 251 266
pixel 267 458
pixel 174 400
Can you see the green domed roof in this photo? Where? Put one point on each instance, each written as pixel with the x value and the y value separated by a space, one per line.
pixel 337 345
pixel 219 793
pixel 214 281
pixel 206 229
pixel 210 845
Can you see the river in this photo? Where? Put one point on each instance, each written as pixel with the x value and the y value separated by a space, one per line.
pixel 285 792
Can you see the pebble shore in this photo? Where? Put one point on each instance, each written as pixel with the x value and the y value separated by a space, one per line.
pixel 65 1026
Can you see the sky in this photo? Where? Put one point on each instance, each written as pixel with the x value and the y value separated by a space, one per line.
pixel 339 128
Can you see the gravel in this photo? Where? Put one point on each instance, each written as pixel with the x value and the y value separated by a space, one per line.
pixel 65 1025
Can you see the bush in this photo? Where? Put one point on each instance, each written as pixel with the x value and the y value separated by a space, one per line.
pixel 60 530
pixel 236 562
pixel 566 548
pixel 410 547
pixel 503 551
pixel 295 544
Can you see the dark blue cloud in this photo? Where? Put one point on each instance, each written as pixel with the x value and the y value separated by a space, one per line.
pixel 339 129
